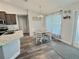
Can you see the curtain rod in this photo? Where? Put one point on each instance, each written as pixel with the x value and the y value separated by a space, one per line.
pixel 54 12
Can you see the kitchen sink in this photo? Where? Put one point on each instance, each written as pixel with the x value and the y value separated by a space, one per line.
pixel 8 32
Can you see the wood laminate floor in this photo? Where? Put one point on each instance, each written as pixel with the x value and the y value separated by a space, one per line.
pixel 51 50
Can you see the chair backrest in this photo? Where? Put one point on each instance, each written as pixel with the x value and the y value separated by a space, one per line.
pixel 39 35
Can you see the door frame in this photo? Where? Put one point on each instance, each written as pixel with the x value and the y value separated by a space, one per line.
pixel 27 22
pixel 74 28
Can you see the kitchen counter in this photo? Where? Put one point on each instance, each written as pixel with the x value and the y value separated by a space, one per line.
pixel 10 45
pixel 5 39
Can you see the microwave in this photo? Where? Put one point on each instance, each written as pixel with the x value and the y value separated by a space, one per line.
pixel 1 21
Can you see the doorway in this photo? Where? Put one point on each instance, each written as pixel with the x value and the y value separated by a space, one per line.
pixel 23 23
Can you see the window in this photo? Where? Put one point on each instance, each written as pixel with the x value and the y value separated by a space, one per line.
pixel 53 23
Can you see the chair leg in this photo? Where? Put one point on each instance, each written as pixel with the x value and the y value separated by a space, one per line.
pixel 41 40
pixel 36 41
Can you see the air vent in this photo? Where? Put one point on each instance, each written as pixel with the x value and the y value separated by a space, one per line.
pixel 25 0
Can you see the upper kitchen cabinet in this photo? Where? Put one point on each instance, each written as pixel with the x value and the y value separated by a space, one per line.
pixel 10 19
pixel 13 18
pixel 2 15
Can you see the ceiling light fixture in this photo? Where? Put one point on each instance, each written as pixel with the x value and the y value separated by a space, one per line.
pixel 40 16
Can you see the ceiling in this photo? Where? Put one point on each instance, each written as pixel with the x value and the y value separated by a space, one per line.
pixel 47 6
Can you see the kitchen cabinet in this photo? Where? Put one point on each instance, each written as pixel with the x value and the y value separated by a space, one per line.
pixel 13 18
pixel 11 50
pixel 2 15
pixel 10 45
pixel 10 19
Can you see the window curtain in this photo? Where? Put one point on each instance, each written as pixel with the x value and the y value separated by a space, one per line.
pixel 53 23
pixel 77 33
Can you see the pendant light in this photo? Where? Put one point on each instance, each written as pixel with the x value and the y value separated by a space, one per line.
pixel 40 16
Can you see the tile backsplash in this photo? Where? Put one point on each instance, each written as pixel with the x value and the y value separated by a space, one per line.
pixel 12 27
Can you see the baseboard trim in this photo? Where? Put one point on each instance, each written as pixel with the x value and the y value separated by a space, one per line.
pixel 65 41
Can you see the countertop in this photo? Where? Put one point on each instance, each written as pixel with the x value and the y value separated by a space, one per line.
pixel 5 39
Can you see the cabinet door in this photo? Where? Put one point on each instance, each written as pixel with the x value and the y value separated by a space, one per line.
pixel 8 20
pixel 2 15
pixel 13 18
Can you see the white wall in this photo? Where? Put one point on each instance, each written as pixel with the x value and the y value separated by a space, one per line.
pixel 68 24
pixel 31 14
pixel 74 6
pixel 31 22
pixel 67 29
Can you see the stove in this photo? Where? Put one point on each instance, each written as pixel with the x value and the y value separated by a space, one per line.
pixel 3 28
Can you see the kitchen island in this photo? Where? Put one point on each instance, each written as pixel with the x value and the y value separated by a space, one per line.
pixel 10 45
